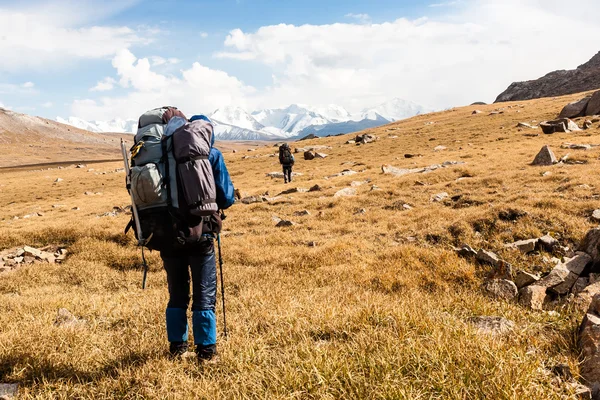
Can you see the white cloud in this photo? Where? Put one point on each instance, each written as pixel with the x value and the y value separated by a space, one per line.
pixel 28 85
pixel 47 104
pixel 469 55
pixel 23 89
pixel 104 85
pixel 445 4
pixel 52 35
pixel 157 61
pixel 198 89
pixel 203 35
pixel 364 18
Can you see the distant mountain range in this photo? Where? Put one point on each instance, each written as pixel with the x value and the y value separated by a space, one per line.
pixel 558 83
pixel 294 121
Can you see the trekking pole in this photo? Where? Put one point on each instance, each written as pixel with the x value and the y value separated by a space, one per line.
pixel 141 241
pixel 222 286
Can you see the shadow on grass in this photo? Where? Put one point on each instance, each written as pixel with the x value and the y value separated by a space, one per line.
pixel 36 369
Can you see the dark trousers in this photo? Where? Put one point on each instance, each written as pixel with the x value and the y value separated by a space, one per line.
pixel 287 173
pixel 202 266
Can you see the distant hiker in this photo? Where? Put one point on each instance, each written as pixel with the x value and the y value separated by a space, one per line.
pixel 286 159
pixel 179 183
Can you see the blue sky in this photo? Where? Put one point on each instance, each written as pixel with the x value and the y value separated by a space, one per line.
pixel 112 59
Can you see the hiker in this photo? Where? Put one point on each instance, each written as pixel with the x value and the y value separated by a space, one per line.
pixel 286 159
pixel 199 259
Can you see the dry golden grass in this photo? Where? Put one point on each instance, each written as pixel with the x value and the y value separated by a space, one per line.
pixel 367 313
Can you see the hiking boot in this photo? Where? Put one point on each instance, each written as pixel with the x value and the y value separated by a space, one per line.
pixel 178 348
pixel 207 353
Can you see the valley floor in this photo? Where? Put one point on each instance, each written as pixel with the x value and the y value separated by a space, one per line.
pixel 377 307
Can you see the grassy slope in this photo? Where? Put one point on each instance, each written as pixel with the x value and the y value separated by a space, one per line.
pixel 365 314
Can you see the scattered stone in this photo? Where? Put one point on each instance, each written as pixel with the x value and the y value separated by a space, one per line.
pixel 388 169
pixel 81 166
pixel 525 125
pixel 584 298
pixel 554 277
pixel 75 209
pixel 492 325
pixel 560 125
pixel 501 288
pixel 487 257
pixel 547 243
pixel 407 207
pixel 311 244
pixel 320 155
pixel 293 190
pixel 587 124
pixel 596 215
pixel 545 157
pixel 591 245
pixel 253 199
pixel 345 192
pixel 465 251
pixel 351 142
pixel 475 112
pixel 361 211
pixel 439 148
pixel 58 180
pixel 375 188
pixel 66 319
pixel 523 278
pixel 284 223
pixel 309 155
pixel 576 146
pixel 580 285
pixel 301 213
pixel 439 197
pixel 533 297
pixel 524 246
pixel 589 344
pixel 9 391
pixel 315 188
pixel 365 138
pixel 280 174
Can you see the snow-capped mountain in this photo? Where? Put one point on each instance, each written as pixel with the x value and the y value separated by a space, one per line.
pixel 115 126
pixel 393 110
pixel 235 123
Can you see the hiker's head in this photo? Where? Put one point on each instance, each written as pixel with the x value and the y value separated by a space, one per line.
pixel 204 118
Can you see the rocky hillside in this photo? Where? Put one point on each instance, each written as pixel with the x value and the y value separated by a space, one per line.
pixel 558 83
pixel 27 139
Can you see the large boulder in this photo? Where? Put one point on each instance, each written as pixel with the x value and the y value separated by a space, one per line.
pixel 309 155
pixel 524 278
pixel 575 109
pixel 593 106
pixel 559 125
pixel 533 297
pixel 591 245
pixel 584 298
pixel 501 289
pixel 545 157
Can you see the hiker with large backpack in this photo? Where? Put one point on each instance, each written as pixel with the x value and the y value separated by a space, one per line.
pixel 286 159
pixel 180 185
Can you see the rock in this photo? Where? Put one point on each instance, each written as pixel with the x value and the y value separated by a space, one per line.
pixel 439 197
pixel 439 148
pixel 309 155
pixel 572 146
pixel 351 142
pixel 545 157
pixel 239 195
pixel 345 192
pixel 253 199
pixel 596 215
pixel 492 325
pixel 315 188
pixel 475 112
pixel 533 297
pixel 578 263
pixel 565 286
pixel 284 223
pixel 9 391
pixel 589 344
pixel 587 124
pixel 67 320
pixel 89 193
pixel 375 188
pixel 594 277
pixel 58 180
pixel 555 277
pixel 30 251
pixel 361 211
pixel 407 207
pixel 320 155
pixel 301 213
pixel 487 257
pixel 81 166
pixel 465 251
pixel 18 260
pixel 293 190
pixel 584 298
pixel 580 285
pixel 591 245
pixel 547 243
pixel 523 278
pixel 525 125
pixel 559 125
pixel 501 288
pixel 593 106
pixel 365 138
pixel 524 246
pixel 575 109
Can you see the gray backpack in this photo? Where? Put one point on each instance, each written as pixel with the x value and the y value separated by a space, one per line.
pixel 191 148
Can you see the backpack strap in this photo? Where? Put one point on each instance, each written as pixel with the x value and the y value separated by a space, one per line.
pixel 167 177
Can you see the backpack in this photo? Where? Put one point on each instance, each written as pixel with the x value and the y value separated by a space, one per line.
pixel 285 155
pixel 172 183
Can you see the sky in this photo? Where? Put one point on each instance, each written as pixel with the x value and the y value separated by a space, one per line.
pixel 101 60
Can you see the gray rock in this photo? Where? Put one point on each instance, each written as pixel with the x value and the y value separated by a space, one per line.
pixel 253 199
pixel 302 213
pixel 492 325
pixel 345 192
pixel 365 138
pixel 580 285
pixel 501 289
pixel 578 263
pixel 320 155
pixel 589 344
pixel 591 245
pixel 596 215
pixel 560 125
pixel 487 257
pixel 524 246
pixel 545 157
pixel 284 224
pixel 439 197
pixel 466 251
pixel 573 146
pixel 594 277
pixel 309 155
pixel 565 286
pixel 58 180
pixel 547 243
pixel 315 188
pixel 593 106
pixel 9 390
pixel 575 109
pixel 523 278
pixel 439 148
pixel 525 125
pixel 584 298
pixel 533 297
pixel 555 277
pixel 475 112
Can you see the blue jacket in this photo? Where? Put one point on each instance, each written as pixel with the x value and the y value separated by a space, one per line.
pixel 224 186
